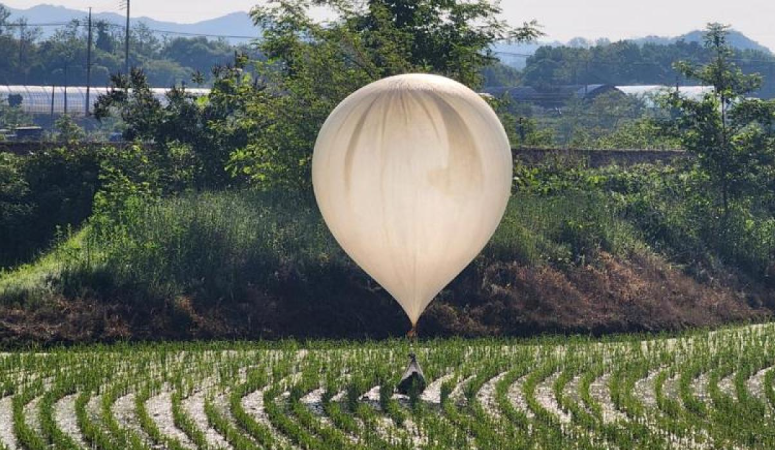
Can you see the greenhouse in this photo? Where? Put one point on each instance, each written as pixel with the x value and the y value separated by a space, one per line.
pixel 57 100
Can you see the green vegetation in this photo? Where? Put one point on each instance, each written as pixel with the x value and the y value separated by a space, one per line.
pixel 698 390
pixel 732 135
pixel 41 194
pixel 632 63
pixel 11 116
pixel 252 263
pixel 60 59
pixel 206 226
pixel 221 245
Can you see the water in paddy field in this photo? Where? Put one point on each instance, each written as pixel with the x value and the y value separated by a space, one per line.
pixel 700 390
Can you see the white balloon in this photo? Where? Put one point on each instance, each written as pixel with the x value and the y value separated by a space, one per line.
pixel 412 174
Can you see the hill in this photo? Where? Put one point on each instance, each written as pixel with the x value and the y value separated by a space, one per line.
pixel 515 55
pixel 240 26
pixel 236 24
pixel 737 39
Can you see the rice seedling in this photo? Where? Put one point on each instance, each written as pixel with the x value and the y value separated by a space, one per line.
pixel 703 390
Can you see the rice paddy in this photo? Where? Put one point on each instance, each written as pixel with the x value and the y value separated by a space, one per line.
pixel 701 390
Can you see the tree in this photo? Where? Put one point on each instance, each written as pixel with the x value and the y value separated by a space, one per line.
pixel 14 210
pixel 191 139
pixel 105 40
pixel 627 62
pixel 732 135
pixel 68 131
pixel 11 115
pixel 199 54
pixel 4 15
pixel 311 66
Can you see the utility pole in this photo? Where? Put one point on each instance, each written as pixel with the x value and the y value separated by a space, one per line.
pixel 21 43
pixel 126 37
pixel 65 88
pixel 22 69
pixel 88 68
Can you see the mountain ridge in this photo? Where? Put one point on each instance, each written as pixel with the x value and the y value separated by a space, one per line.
pixel 515 55
pixel 237 26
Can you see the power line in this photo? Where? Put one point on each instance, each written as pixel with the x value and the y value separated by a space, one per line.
pixel 184 33
pixel 643 63
pixel 49 24
pixel 77 23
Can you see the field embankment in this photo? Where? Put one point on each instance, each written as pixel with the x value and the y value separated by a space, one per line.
pixel 262 265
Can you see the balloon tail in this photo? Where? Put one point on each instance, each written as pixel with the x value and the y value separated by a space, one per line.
pixel 412 334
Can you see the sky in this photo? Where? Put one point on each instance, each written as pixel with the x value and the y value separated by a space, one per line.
pixel 561 19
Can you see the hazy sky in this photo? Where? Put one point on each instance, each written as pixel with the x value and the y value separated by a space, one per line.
pixel 561 19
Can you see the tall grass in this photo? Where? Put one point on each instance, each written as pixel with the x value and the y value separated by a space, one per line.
pixel 216 244
pixel 219 245
pixel 563 228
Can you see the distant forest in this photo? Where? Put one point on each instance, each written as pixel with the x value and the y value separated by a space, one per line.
pixel 625 63
pixel 27 57
pixel 61 59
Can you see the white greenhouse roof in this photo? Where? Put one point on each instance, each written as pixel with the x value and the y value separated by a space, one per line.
pixel 38 100
pixel 688 92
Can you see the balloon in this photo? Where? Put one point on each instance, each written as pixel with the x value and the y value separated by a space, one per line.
pixel 412 174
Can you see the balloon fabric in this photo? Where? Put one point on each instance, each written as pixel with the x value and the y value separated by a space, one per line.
pixel 412 175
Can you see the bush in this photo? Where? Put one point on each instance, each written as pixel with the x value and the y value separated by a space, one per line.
pixel 210 245
pixel 560 229
pixel 262 264
pixel 226 246
pixel 15 211
pixel 668 208
pixel 61 187
pixel 41 193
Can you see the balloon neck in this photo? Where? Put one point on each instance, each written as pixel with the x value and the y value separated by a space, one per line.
pixel 412 334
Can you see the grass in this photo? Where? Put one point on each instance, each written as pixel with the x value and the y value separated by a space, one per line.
pixel 215 244
pixel 263 264
pixel 34 282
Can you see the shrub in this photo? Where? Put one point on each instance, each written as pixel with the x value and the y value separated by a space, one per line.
pixel 41 193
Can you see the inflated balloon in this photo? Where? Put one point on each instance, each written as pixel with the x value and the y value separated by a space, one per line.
pixel 412 174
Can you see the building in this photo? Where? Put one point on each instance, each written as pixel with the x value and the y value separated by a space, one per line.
pixel 58 100
pixel 649 92
pixel 553 97
pixel 559 96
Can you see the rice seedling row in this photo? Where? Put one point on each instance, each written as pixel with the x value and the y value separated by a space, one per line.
pixel 701 390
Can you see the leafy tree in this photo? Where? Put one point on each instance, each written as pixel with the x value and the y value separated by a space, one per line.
pixel 104 40
pixel 4 15
pixel 499 74
pixel 144 43
pixel 188 135
pixel 42 192
pixel 198 54
pixel 68 131
pixel 61 57
pixel 11 115
pixel 14 210
pixel 584 121
pixel 627 62
pixel 162 72
pixel 311 66
pixel 732 135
